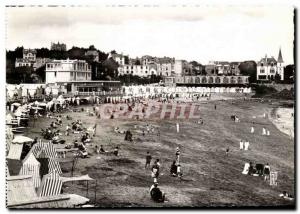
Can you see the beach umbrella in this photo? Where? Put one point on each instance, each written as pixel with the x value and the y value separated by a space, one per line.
pixel 42 104
pixel 16 104
pixel 36 108
pixel 21 139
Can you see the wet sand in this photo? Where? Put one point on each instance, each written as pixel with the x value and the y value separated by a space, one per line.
pixel 283 119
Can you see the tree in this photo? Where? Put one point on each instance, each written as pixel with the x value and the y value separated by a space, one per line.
pixel 126 60
pixel 289 72
pixel 92 47
pixel 137 62
pixel 248 68
pixel 277 78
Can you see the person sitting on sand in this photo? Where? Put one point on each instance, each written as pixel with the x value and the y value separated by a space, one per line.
pixel 285 195
pixel 227 151
pixel 68 117
pixel 117 130
pixel 56 139
pixel 116 151
pixel 101 149
pixel 68 146
pixel 251 169
pixel 53 125
pixel 68 129
pixel 173 169
pixel 58 120
pixel 156 194
pixel 76 144
pixel 128 136
pixel 85 138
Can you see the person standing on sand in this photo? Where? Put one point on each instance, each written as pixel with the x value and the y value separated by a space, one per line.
pixel 241 145
pixel 148 160
pixel 267 172
pixel 177 127
pixel 215 106
pixel 177 154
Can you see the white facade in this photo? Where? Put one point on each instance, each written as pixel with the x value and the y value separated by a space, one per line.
pixel 23 63
pixel 68 70
pixel 164 69
pixel 137 70
pixel 267 68
pixel 180 67
pixel 119 58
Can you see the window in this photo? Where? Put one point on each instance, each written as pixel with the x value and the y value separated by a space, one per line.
pixel 272 71
pixel 261 64
pixel 262 70
pixel 55 73
pixel 146 72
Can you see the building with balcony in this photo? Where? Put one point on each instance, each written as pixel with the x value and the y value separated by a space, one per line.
pixel 222 68
pixel 138 70
pixel 67 71
pixel 210 80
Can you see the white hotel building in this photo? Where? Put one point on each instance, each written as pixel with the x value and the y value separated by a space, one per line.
pixel 138 70
pixel 68 71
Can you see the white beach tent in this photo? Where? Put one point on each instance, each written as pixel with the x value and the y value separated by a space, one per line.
pixel 246 169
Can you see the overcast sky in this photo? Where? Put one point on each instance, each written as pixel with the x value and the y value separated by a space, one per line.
pixel 192 33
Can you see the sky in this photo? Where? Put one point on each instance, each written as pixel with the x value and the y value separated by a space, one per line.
pixel 201 33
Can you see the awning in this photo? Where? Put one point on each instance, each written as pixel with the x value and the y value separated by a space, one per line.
pixel 20 139
pixel 80 178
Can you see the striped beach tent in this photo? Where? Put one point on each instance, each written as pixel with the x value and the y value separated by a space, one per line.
pixel 31 167
pixel 47 150
pixel 54 166
pixel 51 185
pixel 36 148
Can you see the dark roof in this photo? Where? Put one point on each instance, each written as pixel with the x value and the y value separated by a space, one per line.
pixel 280 59
pixel 268 61
pixel 29 50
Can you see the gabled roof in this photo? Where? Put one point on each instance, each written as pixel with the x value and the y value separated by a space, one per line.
pixel 268 61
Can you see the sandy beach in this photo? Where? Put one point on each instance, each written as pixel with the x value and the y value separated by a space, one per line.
pixel 210 177
pixel 283 119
